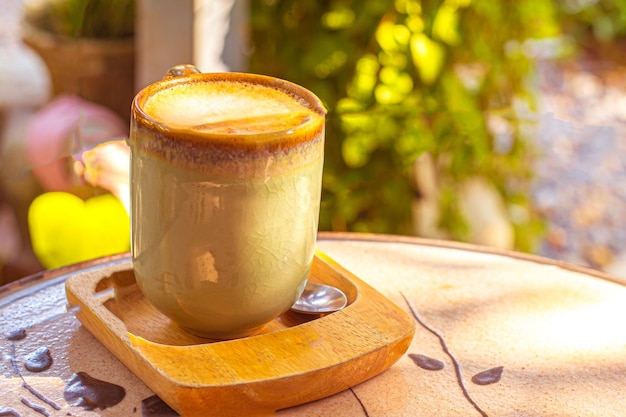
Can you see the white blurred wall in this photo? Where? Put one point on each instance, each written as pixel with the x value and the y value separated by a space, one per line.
pixel 211 34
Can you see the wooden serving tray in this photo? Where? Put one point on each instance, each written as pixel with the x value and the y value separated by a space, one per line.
pixel 293 360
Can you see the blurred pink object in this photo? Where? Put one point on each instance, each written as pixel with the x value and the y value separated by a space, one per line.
pixel 67 126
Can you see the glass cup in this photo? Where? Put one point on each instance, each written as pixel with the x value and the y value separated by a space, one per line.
pixel 226 172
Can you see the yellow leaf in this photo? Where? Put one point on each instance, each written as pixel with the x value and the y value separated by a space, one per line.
pixel 428 57
pixel 385 38
pixel 446 25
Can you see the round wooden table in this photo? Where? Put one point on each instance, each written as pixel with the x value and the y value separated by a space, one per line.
pixel 497 334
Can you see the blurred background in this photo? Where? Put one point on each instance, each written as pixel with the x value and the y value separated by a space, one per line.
pixel 499 123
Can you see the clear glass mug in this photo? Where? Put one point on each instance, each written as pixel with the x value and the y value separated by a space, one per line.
pixel 226 173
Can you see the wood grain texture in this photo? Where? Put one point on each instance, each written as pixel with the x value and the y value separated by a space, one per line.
pixel 293 360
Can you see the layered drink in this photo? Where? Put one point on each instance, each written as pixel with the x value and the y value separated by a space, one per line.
pixel 225 181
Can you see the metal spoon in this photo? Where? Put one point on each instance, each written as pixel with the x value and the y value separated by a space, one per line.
pixel 320 299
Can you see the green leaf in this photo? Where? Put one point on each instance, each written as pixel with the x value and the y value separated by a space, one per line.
pixel 77 15
pixel 338 18
pixel 356 150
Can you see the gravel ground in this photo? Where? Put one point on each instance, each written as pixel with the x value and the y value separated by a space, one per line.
pixel 580 186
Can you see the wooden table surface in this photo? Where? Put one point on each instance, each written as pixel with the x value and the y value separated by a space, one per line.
pixel 498 334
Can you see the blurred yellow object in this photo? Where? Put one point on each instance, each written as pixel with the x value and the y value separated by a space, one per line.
pixel 65 229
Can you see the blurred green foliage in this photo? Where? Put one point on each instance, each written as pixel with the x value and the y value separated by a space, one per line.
pixel 404 77
pixel 596 20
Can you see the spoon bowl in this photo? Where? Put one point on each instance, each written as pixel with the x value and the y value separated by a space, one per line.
pixel 320 299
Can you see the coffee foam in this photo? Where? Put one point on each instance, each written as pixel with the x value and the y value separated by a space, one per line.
pixel 227 107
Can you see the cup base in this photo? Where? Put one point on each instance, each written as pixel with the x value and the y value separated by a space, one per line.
pixel 220 336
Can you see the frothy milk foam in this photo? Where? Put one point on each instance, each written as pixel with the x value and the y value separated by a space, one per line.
pixel 226 239
pixel 232 107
